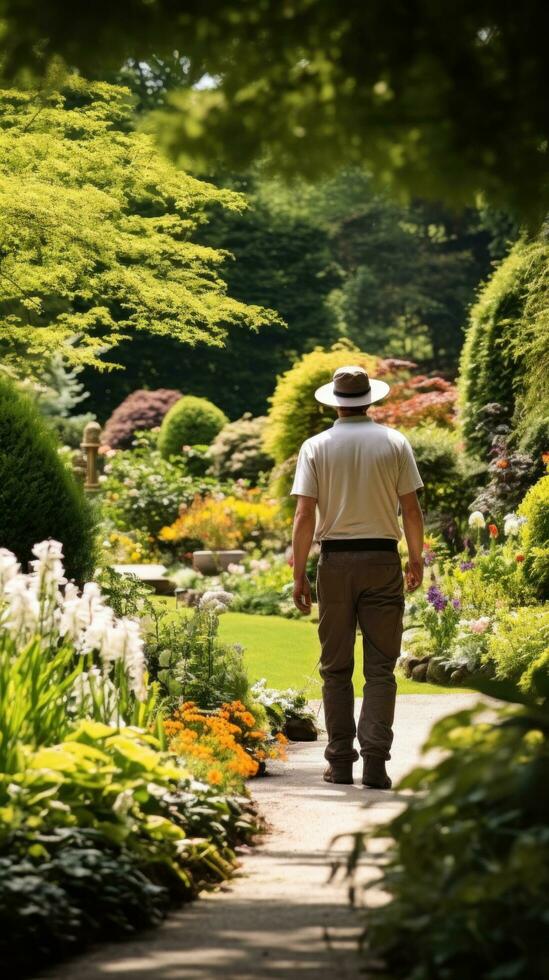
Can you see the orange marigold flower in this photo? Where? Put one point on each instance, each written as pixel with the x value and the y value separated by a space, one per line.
pixel 519 558
pixel 281 738
pixel 215 777
pixel 502 464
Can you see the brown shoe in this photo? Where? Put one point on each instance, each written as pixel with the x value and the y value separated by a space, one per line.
pixel 374 774
pixel 341 774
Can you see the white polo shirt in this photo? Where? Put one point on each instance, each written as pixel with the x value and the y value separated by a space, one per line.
pixel 356 471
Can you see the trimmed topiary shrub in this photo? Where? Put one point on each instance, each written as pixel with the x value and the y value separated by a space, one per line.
pixel 190 422
pixel 39 496
pixel 507 346
pixel 444 497
pixel 140 410
pixel 295 415
pixel 237 451
pixel 535 537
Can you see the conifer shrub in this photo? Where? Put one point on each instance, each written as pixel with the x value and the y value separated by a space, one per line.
pixel 535 537
pixel 237 451
pixel 39 496
pixel 189 422
pixel 139 411
pixel 507 347
pixel 295 415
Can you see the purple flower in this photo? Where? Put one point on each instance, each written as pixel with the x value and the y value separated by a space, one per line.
pixel 436 598
pixel 429 558
pixel 456 603
pixel 466 566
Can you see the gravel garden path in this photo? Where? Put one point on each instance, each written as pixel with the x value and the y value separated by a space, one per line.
pixel 280 917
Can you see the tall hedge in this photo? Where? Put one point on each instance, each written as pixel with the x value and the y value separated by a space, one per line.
pixel 39 496
pixel 295 415
pixel 506 350
pixel 191 421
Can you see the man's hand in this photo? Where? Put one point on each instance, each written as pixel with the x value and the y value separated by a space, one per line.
pixel 413 573
pixel 302 594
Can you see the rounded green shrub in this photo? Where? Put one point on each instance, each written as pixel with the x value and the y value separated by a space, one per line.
pixel 39 496
pixel 237 451
pixel 190 422
pixel 294 414
pixel 535 537
pixel 507 346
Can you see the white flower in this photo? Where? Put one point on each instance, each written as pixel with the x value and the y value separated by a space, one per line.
pixel 95 636
pixel 235 569
pixel 48 567
pixel 9 567
pixel 213 600
pixel 512 525
pixel 476 520
pixel 134 492
pixel 124 642
pixel 24 609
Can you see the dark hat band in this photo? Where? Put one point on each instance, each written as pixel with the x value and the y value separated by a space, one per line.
pixel 353 394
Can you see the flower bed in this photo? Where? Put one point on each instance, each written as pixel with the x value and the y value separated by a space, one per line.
pixel 101 828
pixel 480 612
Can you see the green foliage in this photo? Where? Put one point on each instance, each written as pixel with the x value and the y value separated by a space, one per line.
pixel 49 888
pixel 518 641
pixel 504 357
pixel 535 537
pixel 283 261
pixel 39 497
pixel 145 491
pixel 140 411
pixel 189 422
pixel 263 586
pixel 407 272
pixel 444 495
pixel 466 887
pixel 316 85
pixel 128 263
pixel 294 414
pixel 237 451
pixel 192 664
pixel 102 808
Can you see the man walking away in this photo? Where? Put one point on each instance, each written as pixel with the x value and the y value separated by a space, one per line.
pixel 350 482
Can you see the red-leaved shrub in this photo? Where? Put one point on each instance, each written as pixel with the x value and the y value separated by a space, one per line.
pixel 417 400
pixel 140 410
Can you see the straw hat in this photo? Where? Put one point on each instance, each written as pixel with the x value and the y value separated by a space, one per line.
pixel 350 388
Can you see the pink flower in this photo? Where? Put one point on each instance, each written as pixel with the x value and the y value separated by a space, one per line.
pixel 480 625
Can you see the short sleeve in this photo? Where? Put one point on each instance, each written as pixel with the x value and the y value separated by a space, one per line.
pixel 408 473
pixel 305 481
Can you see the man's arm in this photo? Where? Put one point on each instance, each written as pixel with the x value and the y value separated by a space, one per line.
pixel 412 520
pixel 302 539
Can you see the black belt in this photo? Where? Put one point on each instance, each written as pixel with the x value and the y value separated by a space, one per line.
pixel 359 544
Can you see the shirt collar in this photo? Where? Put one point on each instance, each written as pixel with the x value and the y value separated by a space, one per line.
pixel 353 418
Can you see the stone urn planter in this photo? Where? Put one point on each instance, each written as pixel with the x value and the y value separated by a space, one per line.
pixel 213 562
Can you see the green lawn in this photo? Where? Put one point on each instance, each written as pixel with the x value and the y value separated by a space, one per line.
pixel 286 651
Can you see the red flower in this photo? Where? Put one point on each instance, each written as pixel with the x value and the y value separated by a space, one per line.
pixel 519 558
pixel 493 531
pixel 545 458
pixel 502 464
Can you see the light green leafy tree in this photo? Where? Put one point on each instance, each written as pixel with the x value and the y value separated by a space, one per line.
pixel 96 232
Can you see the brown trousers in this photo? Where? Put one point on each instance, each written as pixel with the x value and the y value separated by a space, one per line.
pixel 364 587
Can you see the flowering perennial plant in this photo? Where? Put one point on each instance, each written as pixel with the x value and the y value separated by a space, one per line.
pixel 62 652
pixel 220 521
pixel 225 746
